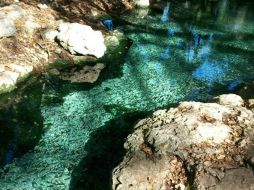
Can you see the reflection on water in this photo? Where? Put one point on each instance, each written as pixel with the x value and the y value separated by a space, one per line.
pixel 211 71
pixel 171 32
pixel 239 21
pixel 201 40
pixel 165 15
pixel 165 55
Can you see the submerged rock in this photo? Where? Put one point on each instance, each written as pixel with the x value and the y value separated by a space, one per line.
pixel 81 39
pixel 87 73
pixel 196 144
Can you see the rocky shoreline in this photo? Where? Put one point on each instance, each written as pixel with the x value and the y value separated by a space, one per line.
pixel 34 37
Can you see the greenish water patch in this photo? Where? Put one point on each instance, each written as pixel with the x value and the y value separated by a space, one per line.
pixel 197 52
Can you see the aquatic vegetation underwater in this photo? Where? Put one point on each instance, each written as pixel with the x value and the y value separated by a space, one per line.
pixel 176 55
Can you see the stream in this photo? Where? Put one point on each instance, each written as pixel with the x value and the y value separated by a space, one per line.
pixel 180 52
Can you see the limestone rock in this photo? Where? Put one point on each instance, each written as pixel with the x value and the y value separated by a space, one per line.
pixel 210 139
pixel 2 68
pixel 31 25
pixel 7 28
pixel 50 35
pixel 238 179
pixel 88 74
pixel 8 15
pixel 231 99
pixel 6 80
pixel 42 6
pixel 21 69
pixel 142 3
pixel 251 103
pixel 81 39
pixel 12 12
pixel 141 173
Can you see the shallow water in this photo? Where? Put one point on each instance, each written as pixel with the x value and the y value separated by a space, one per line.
pixel 185 52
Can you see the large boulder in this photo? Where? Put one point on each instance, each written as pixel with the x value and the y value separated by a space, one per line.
pixel 202 145
pixel 81 39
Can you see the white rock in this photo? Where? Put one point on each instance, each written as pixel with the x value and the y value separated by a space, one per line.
pixel 81 39
pixel 2 68
pixel 7 28
pixel 12 12
pixel 6 80
pixel 42 6
pixel 50 35
pixel 8 16
pixel 142 3
pixel 230 99
pixel 13 75
pixel 22 70
pixel 31 25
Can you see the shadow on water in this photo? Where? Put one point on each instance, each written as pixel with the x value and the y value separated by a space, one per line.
pixel 103 152
pixel 20 120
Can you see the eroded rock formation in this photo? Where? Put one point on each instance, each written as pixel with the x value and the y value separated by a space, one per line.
pixel 201 145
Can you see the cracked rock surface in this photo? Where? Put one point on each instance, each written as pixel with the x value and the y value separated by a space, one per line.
pixel 196 145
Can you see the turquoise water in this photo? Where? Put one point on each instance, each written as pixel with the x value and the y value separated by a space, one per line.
pixel 182 51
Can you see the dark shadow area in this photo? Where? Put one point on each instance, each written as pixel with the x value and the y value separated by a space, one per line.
pixel 103 152
pixel 21 122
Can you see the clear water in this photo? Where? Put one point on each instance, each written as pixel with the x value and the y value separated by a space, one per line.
pixel 180 51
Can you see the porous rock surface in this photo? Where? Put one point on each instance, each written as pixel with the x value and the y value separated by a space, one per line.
pixel 197 145
pixel 21 47
pixel 87 73
pixel 81 39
